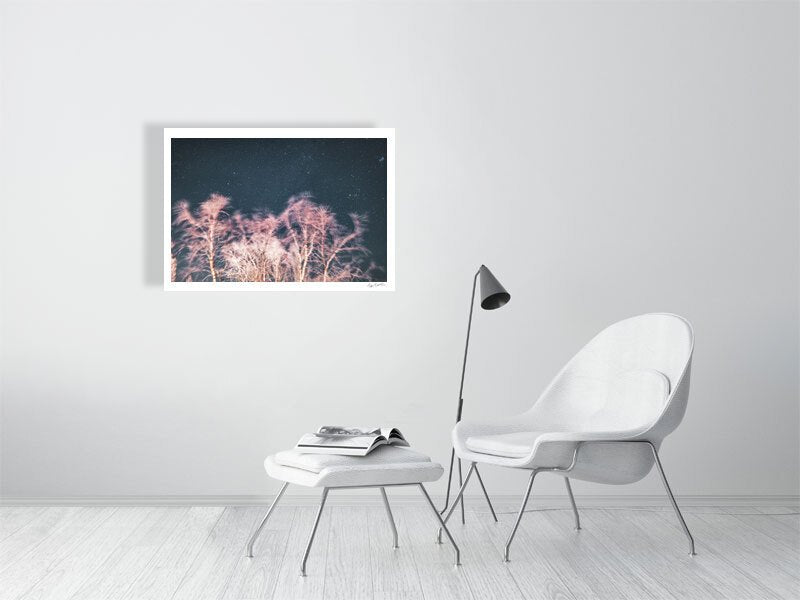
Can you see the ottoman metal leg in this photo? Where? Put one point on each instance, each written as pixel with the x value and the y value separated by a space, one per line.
pixel 391 518
pixel 264 521
pixel 313 531
pixel 442 523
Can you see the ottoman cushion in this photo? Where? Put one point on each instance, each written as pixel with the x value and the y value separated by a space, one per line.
pixel 386 465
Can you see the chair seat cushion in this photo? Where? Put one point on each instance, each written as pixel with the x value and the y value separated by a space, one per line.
pixel 387 465
pixel 509 445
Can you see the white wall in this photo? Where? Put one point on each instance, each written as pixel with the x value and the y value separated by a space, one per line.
pixel 604 160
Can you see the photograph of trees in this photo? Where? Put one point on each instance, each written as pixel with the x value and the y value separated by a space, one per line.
pixel 301 210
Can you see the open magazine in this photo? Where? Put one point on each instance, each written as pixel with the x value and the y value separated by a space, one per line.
pixel 349 441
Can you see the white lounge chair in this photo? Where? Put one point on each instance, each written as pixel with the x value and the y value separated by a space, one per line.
pixel 601 419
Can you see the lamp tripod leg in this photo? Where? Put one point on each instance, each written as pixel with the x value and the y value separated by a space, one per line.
pixel 455 502
pixel 461 483
pixel 449 482
pixel 485 494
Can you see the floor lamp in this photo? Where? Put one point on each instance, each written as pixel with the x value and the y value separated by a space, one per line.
pixel 493 295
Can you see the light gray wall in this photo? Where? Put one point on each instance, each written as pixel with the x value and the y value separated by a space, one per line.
pixel 604 160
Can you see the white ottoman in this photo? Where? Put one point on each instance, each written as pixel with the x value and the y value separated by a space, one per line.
pixel 384 467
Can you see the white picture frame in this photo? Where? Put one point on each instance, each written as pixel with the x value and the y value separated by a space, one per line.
pixel 384 283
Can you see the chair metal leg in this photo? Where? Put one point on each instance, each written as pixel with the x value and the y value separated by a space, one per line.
pixel 574 507
pixel 519 516
pixel 672 500
pixel 313 531
pixel 485 495
pixel 391 518
pixel 455 502
pixel 461 482
pixel 257 532
pixel 442 523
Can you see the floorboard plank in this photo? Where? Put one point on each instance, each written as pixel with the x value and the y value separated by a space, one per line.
pixel 161 577
pixel 66 578
pixel 753 553
pixel 535 574
pixel 33 533
pixel 15 518
pixel 613 554
pixel 394 572
pixel 567 548
pixel 439 579
pixel 783 527
pixel 783 534
pixel 348 564
pixel 487 575
pixel 639 535
pixel 710 572
pixel 208 576
pixel 45 556
pixel 255 578
pixel 608 574
pixel 290 585
pixel 117 573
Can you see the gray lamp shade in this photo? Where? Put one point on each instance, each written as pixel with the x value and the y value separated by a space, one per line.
pixel 493 295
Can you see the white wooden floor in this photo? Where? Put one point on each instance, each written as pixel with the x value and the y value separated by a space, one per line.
pixel 84 553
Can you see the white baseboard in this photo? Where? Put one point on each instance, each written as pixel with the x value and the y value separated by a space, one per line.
pixel 367 499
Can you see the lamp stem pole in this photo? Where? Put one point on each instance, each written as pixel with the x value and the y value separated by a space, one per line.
pixel 461 406
pixel 466 347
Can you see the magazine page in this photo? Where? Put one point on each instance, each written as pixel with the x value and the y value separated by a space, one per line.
pixel 341 430
pixel 348 445
pixel 355 442
pixel 394 436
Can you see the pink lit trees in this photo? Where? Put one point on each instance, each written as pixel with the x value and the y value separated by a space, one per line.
pixel 255 253
pixel 201 236
pixel 305 242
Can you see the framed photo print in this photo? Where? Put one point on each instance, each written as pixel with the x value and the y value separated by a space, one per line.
pixel 278 209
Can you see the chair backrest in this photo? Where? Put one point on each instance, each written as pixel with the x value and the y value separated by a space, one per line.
pixel 633 374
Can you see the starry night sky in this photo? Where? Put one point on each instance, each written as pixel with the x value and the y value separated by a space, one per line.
pixel 348 175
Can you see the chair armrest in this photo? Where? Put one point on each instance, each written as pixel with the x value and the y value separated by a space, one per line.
pixel 559 450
